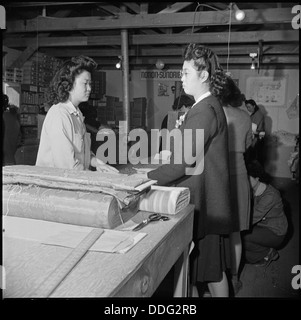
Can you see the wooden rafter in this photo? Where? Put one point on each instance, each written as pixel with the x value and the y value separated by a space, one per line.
pixel 222 60
pixel 206 38
pixel 163 20
pixel 25 55
pixel 219 50
pixel 133 6
pixel 144 8
pixel 175 7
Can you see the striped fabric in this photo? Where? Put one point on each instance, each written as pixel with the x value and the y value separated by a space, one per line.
pixel 165 200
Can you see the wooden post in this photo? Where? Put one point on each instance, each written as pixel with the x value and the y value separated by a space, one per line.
pixel 125 75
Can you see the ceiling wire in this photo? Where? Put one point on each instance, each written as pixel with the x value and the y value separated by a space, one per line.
pixel 229 36
pixel 193 21
pixel 230 23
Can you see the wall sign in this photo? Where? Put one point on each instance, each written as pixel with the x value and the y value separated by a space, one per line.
pixel 268 91
pixel 160 75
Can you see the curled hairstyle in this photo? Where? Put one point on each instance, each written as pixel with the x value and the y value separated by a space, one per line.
pixel 182 100
pixel 253 103
pixel 205 59
pixel 63 81
pixel 231 95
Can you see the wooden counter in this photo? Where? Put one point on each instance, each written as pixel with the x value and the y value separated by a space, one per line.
pixel 136 273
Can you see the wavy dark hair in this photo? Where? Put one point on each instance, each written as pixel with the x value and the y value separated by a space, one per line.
pixel 231 94
pixel 63 81
pixel 256 170
pixel 253 103
pixel 205 59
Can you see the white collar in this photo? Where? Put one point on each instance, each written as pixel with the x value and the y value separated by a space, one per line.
pixel 203 96
pixel 73 110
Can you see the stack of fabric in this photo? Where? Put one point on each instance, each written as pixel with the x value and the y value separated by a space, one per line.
pixel 164 200
pixel 87 198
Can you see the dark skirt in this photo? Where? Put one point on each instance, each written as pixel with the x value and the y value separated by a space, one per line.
pixel 208 259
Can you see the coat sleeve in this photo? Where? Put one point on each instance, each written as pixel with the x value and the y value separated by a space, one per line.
pixel 262 206
pixel 249 136
pixel 192 154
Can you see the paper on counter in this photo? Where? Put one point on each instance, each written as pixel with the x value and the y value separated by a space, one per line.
pixel 66 235
pixel 112 241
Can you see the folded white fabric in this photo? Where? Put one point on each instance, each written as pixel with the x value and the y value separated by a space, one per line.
pixel 165 200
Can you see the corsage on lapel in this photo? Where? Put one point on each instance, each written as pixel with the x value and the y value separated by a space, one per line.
pixel 180 120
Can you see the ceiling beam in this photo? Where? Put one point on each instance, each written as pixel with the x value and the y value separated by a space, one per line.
pixel 133 6
pixel 206 38
pixel 175 7
pixel 222 60
pixel 42 4
pixel 109 8
pixel 180 19
pixel 23 57
pixel 162 52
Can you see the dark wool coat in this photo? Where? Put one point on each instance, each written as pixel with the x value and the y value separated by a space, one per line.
pixel 210 191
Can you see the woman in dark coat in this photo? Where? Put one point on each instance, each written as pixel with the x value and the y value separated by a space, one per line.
pixel 205 170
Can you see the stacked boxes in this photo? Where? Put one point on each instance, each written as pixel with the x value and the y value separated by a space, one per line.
pixel 118 112
pixel 106 112
pixel 111 112
pixel 138 113
pixel 98 85
pixel 40 69
pixel 13 75
pixel 28 119
pixel 32 97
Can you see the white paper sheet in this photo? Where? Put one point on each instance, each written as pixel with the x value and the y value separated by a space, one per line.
pixel 58 234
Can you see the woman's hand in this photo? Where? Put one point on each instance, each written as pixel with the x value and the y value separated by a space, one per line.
pixel 102 167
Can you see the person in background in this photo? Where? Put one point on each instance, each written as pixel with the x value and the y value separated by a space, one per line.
pixel 293 161
pixel 269 222
pixel 181 104
pixel 203 78
pixel 5 103
pixel 64 141
pixel 258 129
pixel 240 139
pixel 11 132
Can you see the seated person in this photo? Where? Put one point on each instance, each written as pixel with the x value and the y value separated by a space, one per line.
pixel 269 222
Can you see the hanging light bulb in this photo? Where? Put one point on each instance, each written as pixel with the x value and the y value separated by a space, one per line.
pixel 118 64
pixel 253 56
pixel 160 64
pixel 239 14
